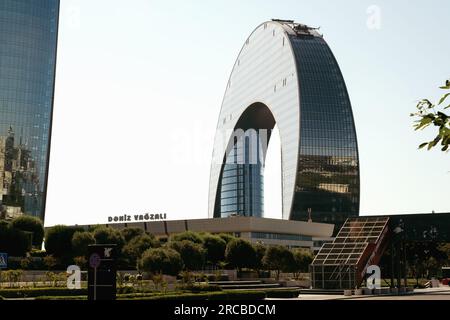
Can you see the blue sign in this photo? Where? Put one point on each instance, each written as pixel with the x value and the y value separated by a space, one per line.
pixel 3 260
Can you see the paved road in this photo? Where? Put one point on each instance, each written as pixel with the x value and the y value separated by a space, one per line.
pixel 427 296
pixel 442 293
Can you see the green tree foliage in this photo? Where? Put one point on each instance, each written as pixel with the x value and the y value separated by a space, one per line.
pixel 187 235
pixel 106 235
pixel 134 249
pixel 429 113
pixel 260 251
pixel 80 243
pixel 226 237
pixel 424 258
pixel 12 241
pixel 58 241
pixel 30 224
pixel 303 258
pixel 215 248
pixel 129 233
pixel 240 254
pixel 161 261
pixel 192 254
pixel 279 258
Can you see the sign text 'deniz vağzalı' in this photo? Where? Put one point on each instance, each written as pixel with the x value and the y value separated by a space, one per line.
pixel 138 217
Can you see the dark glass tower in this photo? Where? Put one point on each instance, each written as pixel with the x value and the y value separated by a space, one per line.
pixel 287 75
pixel 28 43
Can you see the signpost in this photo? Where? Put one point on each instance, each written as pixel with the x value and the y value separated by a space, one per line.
pixel 102 272
pixel 3 260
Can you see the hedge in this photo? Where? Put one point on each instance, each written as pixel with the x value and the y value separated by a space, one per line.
pixel 283 293
pixel 39 292
pixel 62 298
pixel 221 295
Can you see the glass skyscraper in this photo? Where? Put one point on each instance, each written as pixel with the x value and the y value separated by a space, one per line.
pixel 242 184
pixel 28 44
pixel 287 75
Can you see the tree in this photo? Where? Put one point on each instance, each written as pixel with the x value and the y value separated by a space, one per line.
pixel 428 113
pixel 81 241
pixel 133 250
pixel 50 262
pixel 30 224
pixel 161 261
pixel 260 250
pixel 187 235
pixel 302 259
pixel 215 248
pixel 226 237
pixel 192 254
pixel 240 254
pixel 106 235
pixel 129 233
pixel 12 241
pixel 278 258
pixel 58 241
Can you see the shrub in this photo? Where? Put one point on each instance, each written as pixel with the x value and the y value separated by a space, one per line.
pixel 161 261
pixel 215 248
pixel 30 224
pixel 188 235
pixel 288 293
pixel 80 261
pixel 240 254
pixel 106 235
pixel 219 295
pixel 192 254
pixel 38 253
pixel 81 241
pixel 50 262
pixel 279 258
pixel 58 241
pixel 39 292
pixel 130 233
pixel 303 258
pixel 13 241
pixel 133 250
pixel 226 237
pixel 201 287
pixel 12 276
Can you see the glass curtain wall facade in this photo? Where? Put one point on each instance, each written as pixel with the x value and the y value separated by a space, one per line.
pixel 242 186
pixel 28 44
pixel 328 171
pixel 286 71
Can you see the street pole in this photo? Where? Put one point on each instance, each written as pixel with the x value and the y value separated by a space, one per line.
pixel 405 269
pixel 392 264
pixel 397 257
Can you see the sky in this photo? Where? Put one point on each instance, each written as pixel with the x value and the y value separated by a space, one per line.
pixel 140 83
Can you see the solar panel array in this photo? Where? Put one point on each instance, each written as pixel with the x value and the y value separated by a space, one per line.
pixel 351 242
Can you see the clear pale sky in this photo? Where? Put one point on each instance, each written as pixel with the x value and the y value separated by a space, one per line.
pixel 140 85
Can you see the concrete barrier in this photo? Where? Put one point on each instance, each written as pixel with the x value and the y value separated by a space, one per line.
pixel 359 292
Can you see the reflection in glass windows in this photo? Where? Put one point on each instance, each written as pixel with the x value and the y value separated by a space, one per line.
pixel 242 188
pixel 328 168
pixel 28 39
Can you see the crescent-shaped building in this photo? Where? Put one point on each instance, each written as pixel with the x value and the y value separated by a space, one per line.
pixel 286 75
